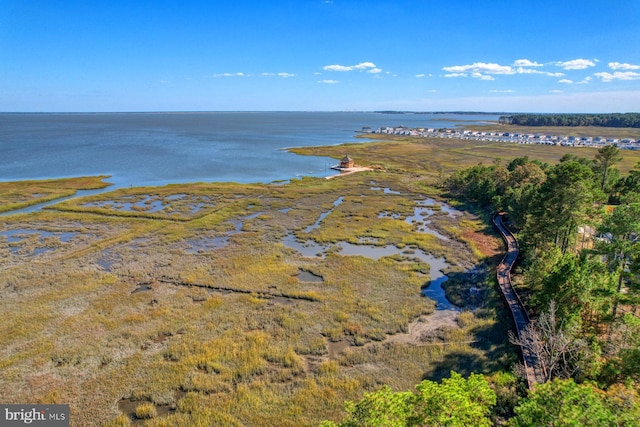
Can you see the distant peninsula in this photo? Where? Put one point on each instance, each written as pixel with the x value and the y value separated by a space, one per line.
pixel 499 113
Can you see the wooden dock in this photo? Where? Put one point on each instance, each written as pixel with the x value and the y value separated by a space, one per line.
pixel 518 312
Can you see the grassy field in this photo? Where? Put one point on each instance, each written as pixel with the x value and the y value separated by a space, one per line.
pixel 180 305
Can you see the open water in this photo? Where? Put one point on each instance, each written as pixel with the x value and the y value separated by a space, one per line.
pixel 162 148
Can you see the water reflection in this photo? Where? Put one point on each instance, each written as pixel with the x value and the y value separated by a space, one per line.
pixel 432 290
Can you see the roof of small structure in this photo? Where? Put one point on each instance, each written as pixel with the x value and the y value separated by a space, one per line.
pixel 347 159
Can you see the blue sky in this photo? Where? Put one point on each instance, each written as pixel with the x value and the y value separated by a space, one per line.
pixel 222 55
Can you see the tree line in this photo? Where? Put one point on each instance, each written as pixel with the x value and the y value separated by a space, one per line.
pixel 579 226
pixel 617 120
pixel 578 222
pixel 479 401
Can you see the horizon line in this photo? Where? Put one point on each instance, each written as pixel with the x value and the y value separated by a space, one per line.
pixel 308 111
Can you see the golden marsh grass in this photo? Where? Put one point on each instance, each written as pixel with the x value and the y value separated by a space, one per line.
pixel 132 308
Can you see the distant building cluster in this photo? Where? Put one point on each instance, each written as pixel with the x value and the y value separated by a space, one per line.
pixel 518 138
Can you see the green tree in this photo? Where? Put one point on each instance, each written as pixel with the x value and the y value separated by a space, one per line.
pixel 581 288
pixel 563 403
pixel 605 158
pixel 627 189
pixel 621 246
pixel 522 188
pixel 456 402
pixel 564 201
pixel 380 408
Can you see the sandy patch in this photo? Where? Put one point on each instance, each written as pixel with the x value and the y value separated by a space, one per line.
pixel 349 171
pixel 424 325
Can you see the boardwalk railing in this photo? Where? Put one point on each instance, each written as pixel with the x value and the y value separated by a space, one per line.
pixel 518 312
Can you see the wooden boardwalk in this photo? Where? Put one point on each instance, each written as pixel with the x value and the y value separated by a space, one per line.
pixel 518 312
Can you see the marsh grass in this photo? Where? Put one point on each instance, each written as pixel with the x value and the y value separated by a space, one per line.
pixel 231 336
pixel 20 194
pixel 145 411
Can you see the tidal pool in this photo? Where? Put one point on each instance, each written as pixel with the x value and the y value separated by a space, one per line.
pixel 211 243
pixel 41 241
pixel 324 215
pixel 432 290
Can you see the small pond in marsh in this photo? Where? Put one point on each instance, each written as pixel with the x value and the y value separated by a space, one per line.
pixel 437 266
pixel 323 215
pixel 205 244
pixel 424 209
pixel 307 276
pixel 33 242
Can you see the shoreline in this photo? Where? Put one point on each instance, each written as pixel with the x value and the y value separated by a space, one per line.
pixel 348 171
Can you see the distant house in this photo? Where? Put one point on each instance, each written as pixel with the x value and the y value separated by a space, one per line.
pixel 346 162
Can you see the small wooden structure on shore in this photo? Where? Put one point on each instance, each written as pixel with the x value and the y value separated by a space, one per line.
pixel 346 163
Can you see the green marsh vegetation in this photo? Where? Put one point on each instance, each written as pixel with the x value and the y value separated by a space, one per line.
pixel 199 315
pixel 20 194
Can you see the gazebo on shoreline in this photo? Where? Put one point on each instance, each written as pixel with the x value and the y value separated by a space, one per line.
pixel 346 162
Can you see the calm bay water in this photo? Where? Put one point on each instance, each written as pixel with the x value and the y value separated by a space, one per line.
pixel 161 148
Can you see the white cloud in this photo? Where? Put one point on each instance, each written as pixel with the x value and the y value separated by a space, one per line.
pixel 502 91
pixel 364 65
pixel 526 63
pixel 619 66
pixel 337 68
pixel 419 76
pixel 368 66
pixel 618 75
pixel 577 64
pixel 571 82
pixel 556 91
pixel 329 82
pixel 432 91
pixel 521 70
pixel 283 75
pixel 481 76
pixel 480 67
pixel 229 75
pixel 456 75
